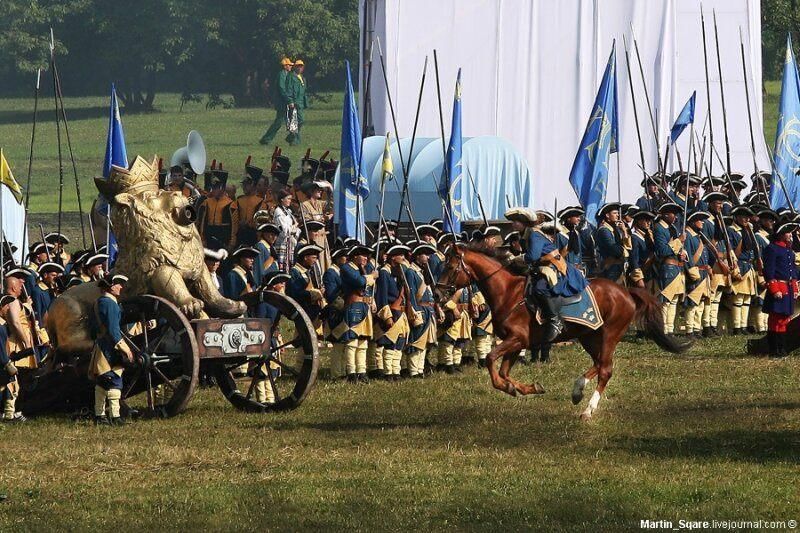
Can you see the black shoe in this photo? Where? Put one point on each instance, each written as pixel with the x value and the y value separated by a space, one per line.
pixel 467 361
pixel 751 330
pixel 418 376
pixel 362 378
pixel 441 367
pixel 457 369
pixel 449 369
pixel 715 332
pixel 405 373
pixel 553 329
pixel 481 363
pixel 640 335
pixel 375 374
pixel 117 421
pixel 351 378
pixel 101 421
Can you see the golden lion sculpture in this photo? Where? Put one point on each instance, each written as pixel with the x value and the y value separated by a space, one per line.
pixel 160 251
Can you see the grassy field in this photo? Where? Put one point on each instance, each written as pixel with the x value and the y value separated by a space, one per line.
pixel 230 136
pixel 712 434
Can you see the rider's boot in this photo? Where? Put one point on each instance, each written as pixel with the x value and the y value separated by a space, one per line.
pixel 550 306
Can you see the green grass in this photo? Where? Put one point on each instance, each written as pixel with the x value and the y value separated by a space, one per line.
pixel 230 136
pixel 709 435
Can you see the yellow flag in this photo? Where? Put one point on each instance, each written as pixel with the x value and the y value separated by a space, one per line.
pixel 388 167
pixel 7 178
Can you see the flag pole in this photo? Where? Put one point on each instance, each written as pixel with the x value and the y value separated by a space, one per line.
pixel 381 222
pixel 30 160
pixel 478 195
pixel 391 108
pixel 446 170
pixel 636 121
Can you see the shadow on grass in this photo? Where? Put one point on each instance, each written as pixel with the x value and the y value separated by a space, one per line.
pixel 741 445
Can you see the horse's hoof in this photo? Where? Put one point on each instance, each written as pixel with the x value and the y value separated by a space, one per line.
pixel 577 396
pixel 537 388
pixel 512 390
pixel 585 417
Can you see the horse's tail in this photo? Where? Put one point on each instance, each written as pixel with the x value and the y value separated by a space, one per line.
pixel 648 313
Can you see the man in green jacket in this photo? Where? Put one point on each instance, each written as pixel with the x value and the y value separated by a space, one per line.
pixel 281 100
pixel 297 99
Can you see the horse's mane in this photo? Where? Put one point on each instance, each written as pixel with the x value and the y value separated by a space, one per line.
pixel 505 257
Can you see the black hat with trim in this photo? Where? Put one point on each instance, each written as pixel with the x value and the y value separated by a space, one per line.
pixel 314 225
pixel 423 248
pixel 428 229
pixel 274 277
pixel 308 249
pixel 244 251
pixel 571 211
pixel 670 207
pixel 786 227
pixel 742 211
pixel 766 212
pixel 642 213
pixel 55 237
pixel 715 196
pixel 491 231
pixel 359 249
pixel 338 252
pixel 697 215
pixel 269 228
pixel 110 279
pixel 514 236
pixel 48 267
pixel 398 249
pixel 607 208
pixel 96 259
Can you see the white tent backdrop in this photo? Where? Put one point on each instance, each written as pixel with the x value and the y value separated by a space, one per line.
pixel 531 69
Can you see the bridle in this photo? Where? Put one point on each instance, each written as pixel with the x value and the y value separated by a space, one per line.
pixel 453 273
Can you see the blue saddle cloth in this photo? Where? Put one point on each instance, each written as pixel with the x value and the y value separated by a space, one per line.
pixel 583 311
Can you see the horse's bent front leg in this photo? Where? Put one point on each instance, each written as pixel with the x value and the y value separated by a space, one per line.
pixel 522 388
pixel 507 348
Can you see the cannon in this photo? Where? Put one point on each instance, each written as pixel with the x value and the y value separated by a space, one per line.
pixel 171 350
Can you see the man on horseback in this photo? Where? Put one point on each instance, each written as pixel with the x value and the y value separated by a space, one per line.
pixel 551 278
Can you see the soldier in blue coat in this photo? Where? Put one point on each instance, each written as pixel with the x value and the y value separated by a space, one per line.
pixel 613 242
pixel 265 262
pixel 670 257
pixel 698 273
pixel 332 314
pixel 390 302
pixel 640 271
pixel 44 292
pixel 552 277
pixel 239 280
pixel 358 286
pixel 422 336
pixel 766 219
pixel 571 245
pixel 304 286
pixel 744 280
pixel 111 352
pixel 781 278
pixel 264 387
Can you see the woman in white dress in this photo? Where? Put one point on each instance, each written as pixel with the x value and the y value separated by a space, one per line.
pixel 290 230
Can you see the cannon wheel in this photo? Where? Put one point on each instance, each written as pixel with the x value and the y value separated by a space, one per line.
pixel 168 362
pixel 298 371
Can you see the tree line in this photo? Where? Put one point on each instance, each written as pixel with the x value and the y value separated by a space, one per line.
pixel 194 47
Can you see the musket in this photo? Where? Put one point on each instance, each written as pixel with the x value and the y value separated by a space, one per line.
pixel 708 88
pixel 722 97
pixel 480 201
pixel 46 249
pixel 647 99
pixel 91 231
pixel 636 121
pixel 508 202
pixel 404 192
pixel 30 158
pixel 416 231
pixel 750 120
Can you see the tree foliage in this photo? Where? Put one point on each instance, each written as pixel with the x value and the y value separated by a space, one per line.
pixel 188 46
pixel 778 18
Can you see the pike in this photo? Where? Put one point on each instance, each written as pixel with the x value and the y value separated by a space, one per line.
pixel 444 146
pixel 391 109
pixel 722 97
pixel 650 113
pixel 30 159
pixel 46 249
pixel 363 135
pixel 636 121
pixel 750 121
pixel 480 201
pixel 91 230
pixel 404 192
pixel 708 89
pixel 58 133
pixel 384 176
pixel 416 231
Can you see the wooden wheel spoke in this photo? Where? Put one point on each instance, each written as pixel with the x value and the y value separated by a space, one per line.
pixel 273 385
pixel 133 382
pixel 284 366
pixel 286 344
pixel 164 378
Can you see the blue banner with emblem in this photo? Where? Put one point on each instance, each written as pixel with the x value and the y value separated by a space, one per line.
pixel 589 174
pixel 452 177
pixel 353 188
pixel 787 135
pixel 117 155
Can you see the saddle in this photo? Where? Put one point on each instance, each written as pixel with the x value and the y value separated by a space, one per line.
pixel 530 299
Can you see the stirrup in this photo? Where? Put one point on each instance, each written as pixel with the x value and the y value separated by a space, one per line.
pixel 553 329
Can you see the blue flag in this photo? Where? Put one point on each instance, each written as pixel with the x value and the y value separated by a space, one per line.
pixel 787 136
pixel 589 174
pixel 451 181
pixel 115 143
pixel 353 186
pixel 685 117
pixel 117 155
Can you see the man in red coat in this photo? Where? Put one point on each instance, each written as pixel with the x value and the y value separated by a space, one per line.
pixel 781 277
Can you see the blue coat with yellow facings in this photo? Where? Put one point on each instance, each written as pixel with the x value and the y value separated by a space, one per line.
pixel 665 248
pixel 539 248
pixel 356 315
pixel 387 292
pixel 742 243
pixel 611 250
pixel 332 288
pixel 641 253
pixel 422 300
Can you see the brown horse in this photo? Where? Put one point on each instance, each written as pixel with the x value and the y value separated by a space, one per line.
pixel 515 325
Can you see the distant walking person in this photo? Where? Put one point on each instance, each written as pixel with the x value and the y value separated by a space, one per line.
pixel 280 100
pixel 296 91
